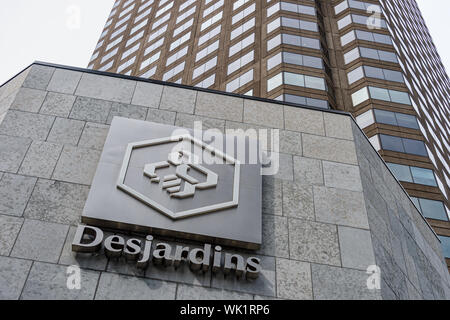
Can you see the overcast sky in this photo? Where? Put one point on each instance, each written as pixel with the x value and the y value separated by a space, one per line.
pixel 66 31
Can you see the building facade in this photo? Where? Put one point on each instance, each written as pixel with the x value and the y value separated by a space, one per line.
pixel 372 58
pixel 336 224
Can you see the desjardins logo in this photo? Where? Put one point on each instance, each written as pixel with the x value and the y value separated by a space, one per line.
pixel 90 239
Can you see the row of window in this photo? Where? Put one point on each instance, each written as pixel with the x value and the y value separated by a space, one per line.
pixel 369 53
pixel 376 73
pixel 295 59
pixel 431 209
pixel 376 93
pixel 311 102
pixel 387 117
pixel 398 144
pixel 295 79
pixel 368 7
pixel 363 20
pixel 365 36
pixel 291 7
pixel 413 174
pixel 298 24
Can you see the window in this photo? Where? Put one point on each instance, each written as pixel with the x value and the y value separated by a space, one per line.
pixel 445 242
pixel 296 79
pixel 317 103
pixel 380 94
pixel 431 209
pixel 403 145
pixel 396 119
pixel 413 174
pixel 295 59
pixel 239 82
pixel 292 23
pixel 293 40
pixel 291 7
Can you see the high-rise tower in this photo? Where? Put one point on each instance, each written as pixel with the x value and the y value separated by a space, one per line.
pixel 373 58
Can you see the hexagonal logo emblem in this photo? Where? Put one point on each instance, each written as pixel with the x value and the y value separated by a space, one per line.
pixel 163 180
pixel 179 183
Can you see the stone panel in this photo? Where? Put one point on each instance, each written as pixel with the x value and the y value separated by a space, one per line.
pixel 9 229
pixel 66 131
pixel 26 125
pixel 15 190
pixel 178 100
pixel 356 248
pixel 41 159
pixel 13 274
pixel 92 110
pixel 12 152
pixel 40 241
pixel 57 104
pixel 77 165
pixel 298 201
pixel 147 95
pixel 49 282
pixel 331 283
pixel 341 207
pixel 219 106
pixel 56 201
pixel 263 114
pixel 93 136
pixel 64 81
pixel 106 88
pixel 29 100
pixel 38 77
pixel 329 149
pixel 304 120
pixel 314 242
pixel 294 280
pixel 119 287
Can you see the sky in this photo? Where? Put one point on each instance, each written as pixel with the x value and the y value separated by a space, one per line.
pixel 66 31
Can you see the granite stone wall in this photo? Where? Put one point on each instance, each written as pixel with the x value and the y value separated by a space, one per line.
pixel 332 210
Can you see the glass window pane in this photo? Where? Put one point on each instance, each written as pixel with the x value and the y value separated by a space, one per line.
pixel 379 94
pixel 318 103
pixel 385 117
pixel 445 243
pixel 315 83
pixel 355 75
pixel 407 121
pixel 393 75
pixel 423 176
pixel 294 99
pixel 310 43
pixel 417 203
pixel 275 82
pixel 388 56
pixel 360 96
pixel 415 147
pixel 369 53
pixel 294 79
pixel 391 143
pixel 312 62
pixel 351 55
pixel 402 173
pixel 372 72
pixel 292 58
pixel 274 61
pixel 399 97
pixel 433 209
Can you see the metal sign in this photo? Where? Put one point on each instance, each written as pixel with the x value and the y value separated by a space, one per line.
pixel 153 179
